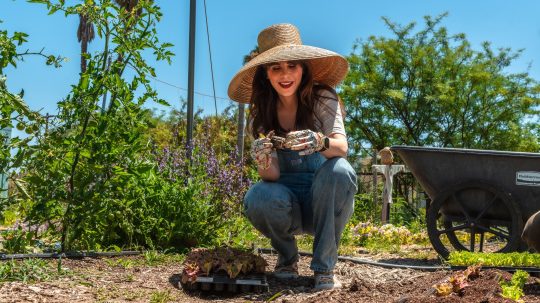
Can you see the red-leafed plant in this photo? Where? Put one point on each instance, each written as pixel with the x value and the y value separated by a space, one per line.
pixel 457 282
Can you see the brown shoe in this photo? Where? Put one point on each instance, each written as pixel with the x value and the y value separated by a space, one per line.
pixel 326 280
pixel 286 272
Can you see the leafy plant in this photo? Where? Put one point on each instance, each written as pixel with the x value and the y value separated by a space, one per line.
pixel 16 241
pixel 403 213
pixel 161 296
pixel 514 288
pixel 514 259
pixel 120 262
pixel 94 151
pixel 239 233
pixel 457 282
pixel 27 270
pixel 152 257
pixel 364 209
pixel 367 233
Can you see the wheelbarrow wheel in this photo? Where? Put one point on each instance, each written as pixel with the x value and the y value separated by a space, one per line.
pixel 474 216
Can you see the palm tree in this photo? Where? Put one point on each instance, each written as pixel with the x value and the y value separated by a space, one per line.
pixel 252 54
pixel 128 5
pixel 241 111
pixel 85 35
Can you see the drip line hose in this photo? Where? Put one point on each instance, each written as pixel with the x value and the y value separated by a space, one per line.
pixel 68 255
pixel 368 262
pixel 80 255
pixel 415 267
pixel 90 254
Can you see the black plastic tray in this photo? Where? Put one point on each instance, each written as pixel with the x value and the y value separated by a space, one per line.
pixel 221 282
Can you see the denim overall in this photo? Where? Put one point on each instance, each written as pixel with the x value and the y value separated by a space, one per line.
pixel 313 195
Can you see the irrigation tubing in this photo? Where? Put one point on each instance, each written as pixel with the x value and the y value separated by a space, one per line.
pixel 367 262
pixel 80 255
pixel 69 255
pixel 415 267
pixel 90 254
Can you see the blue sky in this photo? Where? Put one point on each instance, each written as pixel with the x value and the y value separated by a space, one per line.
pixel 234 26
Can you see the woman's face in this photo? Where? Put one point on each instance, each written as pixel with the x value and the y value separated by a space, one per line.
pixel 285 77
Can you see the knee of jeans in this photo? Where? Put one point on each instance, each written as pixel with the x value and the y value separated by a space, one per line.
pixel 340 170
pixel 266 201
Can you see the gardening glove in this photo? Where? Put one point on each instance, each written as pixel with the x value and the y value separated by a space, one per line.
pixel 262 149
pixel 306 141
pixel 278 142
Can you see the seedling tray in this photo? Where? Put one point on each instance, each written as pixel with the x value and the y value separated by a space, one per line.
pixel 220 282
pixel 535 270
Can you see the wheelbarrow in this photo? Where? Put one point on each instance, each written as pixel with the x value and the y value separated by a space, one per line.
pixel 480 199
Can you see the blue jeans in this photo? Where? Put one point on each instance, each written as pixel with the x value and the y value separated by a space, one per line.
pixel 313 195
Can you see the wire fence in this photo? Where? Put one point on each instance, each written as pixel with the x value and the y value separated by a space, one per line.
pixel 407 194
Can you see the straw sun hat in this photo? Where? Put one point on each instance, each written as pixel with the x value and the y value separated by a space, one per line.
pixel 281 42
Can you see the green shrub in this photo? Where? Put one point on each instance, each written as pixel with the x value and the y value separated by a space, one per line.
pixel 403 214
pixel 113 177
pixel 28 270
pixel 16 241
pixel 364 209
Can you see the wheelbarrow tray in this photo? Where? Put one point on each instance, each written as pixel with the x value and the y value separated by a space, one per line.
pixel 438 169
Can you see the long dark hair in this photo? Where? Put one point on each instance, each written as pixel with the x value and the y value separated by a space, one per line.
pixel 264 99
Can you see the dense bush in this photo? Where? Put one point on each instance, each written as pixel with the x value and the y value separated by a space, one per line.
pixel 111 175
pixel 160 199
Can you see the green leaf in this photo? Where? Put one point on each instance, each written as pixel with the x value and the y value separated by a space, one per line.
pixel 84 82
pixel 22 188
pixel 53 10
pixel 162 102
pixel 85 154
pixel 395 94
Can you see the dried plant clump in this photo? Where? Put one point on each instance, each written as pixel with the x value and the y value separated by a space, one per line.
pixel 203 262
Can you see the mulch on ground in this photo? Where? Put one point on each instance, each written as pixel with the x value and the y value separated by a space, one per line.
pixel 99 280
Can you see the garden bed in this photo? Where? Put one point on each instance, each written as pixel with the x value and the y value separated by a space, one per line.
pixel 140 279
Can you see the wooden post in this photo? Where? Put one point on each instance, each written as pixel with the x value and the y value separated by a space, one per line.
pixel 373 164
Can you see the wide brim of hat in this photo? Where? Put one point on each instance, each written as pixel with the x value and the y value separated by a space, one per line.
pixel 326 67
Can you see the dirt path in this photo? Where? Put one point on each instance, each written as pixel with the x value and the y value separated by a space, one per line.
pixel 131 280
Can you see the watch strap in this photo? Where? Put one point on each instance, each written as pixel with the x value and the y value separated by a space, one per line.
pixel 325 142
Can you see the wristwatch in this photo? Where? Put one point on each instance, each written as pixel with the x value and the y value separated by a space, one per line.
pixel 326 143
